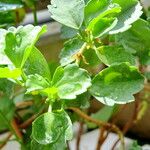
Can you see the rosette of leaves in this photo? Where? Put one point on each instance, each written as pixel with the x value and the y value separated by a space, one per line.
pixel 26 66
pixel 99 18
pixel 92 21
pixel 67 83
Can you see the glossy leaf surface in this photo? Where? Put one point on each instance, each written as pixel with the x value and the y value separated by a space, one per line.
pixel 137 40
pixel 20 41
pixel 74 81
pixel 130 12
pixel 114 54
pixel 71 48
pixel 36 83
pixel 7 73
pixel 72 14
pixel 51 126
pixel 37 64
pixel 117 84
pixel 100 16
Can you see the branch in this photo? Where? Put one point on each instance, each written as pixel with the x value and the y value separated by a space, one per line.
pixel 27 122
pixel 78 56
pixel 24 104
pixel 130 123
pixel 16 129
pixel 68 147
pixel 5 140
pixel 30 120
pixel 100 123
pixel 79 135
pixel 101 138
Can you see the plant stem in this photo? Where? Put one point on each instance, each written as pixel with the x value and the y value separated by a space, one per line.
pixel 100 123
pixel 11 126
pixel 101 138
pixel 24 77
pixel 79 135
pixel 35 15
pixel 83 48
pixel 28 122
pixel 5 140
pixel 24 104
pixel 78 56
pixel 130 123
pixel 68 148
pixel 50 108
pixel 16 129
pixel 17 17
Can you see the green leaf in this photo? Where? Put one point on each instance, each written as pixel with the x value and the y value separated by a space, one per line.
pixel 71 47
pixel 6 87
pixel 67 32
pixel 130 12
pixel 86 1
pixel 114 54
pixel 97 9
pixel 58 74
pixel 7 73
pixel 36 83
pixel 36 64
pixel 72 14
pixel 10 5
pixel 136 39
pixel 54 146
pixel 52 66
pixel 135 146
pixel 3 58
pixel 102 26
pixel 104 114
pixel 20 41
pixel 7 110
pixel 91 58
pixel 74 81
pixel 52 126
pixel 100 16
pixel 117 84
pixel 148 14
pixel 81 101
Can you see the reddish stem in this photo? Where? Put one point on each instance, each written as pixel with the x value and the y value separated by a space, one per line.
pixel 79 136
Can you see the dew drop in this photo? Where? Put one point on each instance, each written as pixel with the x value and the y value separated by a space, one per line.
pixel 111 6
pixel 18 39
pixel 40 78
pixel 55 6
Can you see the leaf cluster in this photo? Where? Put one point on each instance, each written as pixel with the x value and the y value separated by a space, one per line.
pixel 97 32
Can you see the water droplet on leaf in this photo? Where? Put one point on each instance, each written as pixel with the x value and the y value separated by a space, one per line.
pixel 55 6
